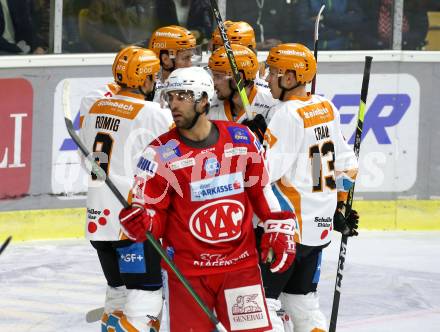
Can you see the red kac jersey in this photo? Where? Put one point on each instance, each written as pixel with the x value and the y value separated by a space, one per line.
pixel 204 198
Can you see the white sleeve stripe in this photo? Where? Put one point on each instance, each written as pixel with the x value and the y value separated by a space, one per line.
pixel 281 263
pixel 131 214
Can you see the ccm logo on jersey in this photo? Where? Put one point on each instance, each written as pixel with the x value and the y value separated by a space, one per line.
pixel 220 186
pixel 239 135
pixel 218 221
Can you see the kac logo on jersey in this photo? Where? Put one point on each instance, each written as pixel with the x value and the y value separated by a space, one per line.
pixel 220 186
pixel 212 166
pixel 239 135
pixel 218 221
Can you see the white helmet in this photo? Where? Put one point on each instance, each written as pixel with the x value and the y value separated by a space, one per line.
pixel 195 79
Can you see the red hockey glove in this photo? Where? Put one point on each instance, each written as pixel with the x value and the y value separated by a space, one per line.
pixel 278 236
pixel 135 222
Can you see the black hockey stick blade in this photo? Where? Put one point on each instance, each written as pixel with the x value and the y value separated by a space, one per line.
pixel 5 244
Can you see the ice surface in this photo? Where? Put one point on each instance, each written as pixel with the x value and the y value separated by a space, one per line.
pixel 391 283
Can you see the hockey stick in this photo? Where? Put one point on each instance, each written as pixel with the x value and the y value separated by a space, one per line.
pixel 100 173
pixel 316 38
pixel 231 58
pixel 356 148
pixel 5 244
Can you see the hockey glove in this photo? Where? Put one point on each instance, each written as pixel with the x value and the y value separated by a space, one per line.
pixel 347 225
pixel 278 235
pixel 258 126
pixel 135 222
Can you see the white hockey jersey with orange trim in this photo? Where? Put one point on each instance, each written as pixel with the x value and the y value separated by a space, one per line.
pixel 119 127
pixel 260 100
pixel 306 152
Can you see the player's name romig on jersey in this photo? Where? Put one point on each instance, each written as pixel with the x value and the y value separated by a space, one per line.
pixel 107 122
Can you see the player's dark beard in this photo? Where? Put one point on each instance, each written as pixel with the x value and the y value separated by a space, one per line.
pixel 187 122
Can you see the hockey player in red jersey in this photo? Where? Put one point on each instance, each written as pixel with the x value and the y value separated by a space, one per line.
pixel 197 187
pixel 116 127
pixel 308 158
pixel 228 106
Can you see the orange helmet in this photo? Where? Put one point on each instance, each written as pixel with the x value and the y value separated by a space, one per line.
pixel 238 33
pixel 132 69
pixel 294 57
pixel 121 61
pixel 171 38
pixel 246 61
pixel 216 38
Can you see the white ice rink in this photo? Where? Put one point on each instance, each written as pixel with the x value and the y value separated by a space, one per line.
pixel 391 283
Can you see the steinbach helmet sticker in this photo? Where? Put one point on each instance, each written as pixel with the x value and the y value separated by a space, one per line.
pixel 168 34
pixel 292 52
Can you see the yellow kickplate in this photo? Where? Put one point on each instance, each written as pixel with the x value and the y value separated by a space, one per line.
pixel 399 214
pixel 42 224
pixel 69 223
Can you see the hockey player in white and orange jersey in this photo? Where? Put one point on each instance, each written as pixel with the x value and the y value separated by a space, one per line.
pixel 197 187
pixel 175 46
pixel 307 158
pixel 116 128
pixel 228 105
